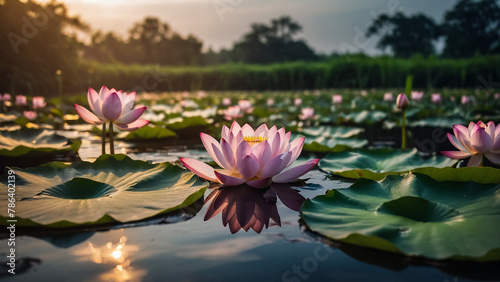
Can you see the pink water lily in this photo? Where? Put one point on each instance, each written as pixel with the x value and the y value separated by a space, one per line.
pixel 5 97
pixel 307 113
pixel 21 100
pixel 245 106
pixel 402 101
pixel 436 98
pixel 255 157
pixel 388 97
pixel 31 115
pixel 232 113
pixel 477 141
pixel 39 102
pixel 417 95
pixel 114 106
pixel 337 99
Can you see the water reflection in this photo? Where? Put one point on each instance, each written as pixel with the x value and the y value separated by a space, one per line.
pixel 118 255
pixel 244 207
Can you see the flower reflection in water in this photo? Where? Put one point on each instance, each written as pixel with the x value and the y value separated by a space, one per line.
pixel 119 256
pixel 244 207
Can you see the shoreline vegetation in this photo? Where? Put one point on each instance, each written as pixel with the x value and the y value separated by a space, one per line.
pixel 349 71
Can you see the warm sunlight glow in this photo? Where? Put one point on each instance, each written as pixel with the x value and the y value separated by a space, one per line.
pixel 117 254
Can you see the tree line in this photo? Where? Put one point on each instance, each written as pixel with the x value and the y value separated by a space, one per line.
pixel 40 39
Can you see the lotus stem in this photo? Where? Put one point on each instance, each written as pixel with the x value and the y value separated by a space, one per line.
pixel 111 141
pixel 403 131
pixel 103 145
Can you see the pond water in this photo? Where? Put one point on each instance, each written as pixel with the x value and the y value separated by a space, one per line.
pixel 185 247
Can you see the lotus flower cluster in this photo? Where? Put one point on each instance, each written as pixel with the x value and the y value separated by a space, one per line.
pixel 477 141
pixel 255 157
pixel 114 106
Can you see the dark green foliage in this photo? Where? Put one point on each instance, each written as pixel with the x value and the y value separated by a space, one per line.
pixel 406 35
pixel 34 46
pixel 340 72
pixel 471 28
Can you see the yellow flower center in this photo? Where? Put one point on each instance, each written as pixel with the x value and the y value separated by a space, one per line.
pixel 254 139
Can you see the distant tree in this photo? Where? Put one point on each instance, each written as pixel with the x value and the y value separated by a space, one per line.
pixel 472 27
pixel 148 36
pixel 37 40
pixel 108 48
pixel 406 35
pixel 273 43
pixel 156 43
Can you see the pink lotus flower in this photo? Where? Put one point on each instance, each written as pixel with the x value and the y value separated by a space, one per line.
pixel 270 102
pixel 21 100
pixel 417 95
pixel 114 106
pixel 476 141
pixel 39 102
pixel 232 113
pixel 5 97
pixel 465 100
pixel 226 101
pixel 436 98
pixel 245 106
pixel 402 101
pixel 337 99
pixel 255 157
pixel 31 115
pixel 388 97
pixel 201 94
pixel 297 102
pixel 307 113
pixel 496 96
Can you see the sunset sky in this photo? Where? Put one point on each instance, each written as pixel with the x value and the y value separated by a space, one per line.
pixel 328 25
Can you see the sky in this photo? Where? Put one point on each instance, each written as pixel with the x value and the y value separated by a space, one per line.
pixel 328 25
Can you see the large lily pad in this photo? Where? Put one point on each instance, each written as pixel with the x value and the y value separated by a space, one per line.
pixel 376 164
pixel 31 147
pixel 113 189
pixel 33 141
pixel 412 214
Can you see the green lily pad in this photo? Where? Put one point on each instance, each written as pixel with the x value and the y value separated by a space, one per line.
pixel 442 122
pixel 188 122
pixel 148 133
pixel 330 139
pixel 331 131
pixel 412 214
pixel 113 189
pixel 28 147
pixel 378 163
pixel 365 117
